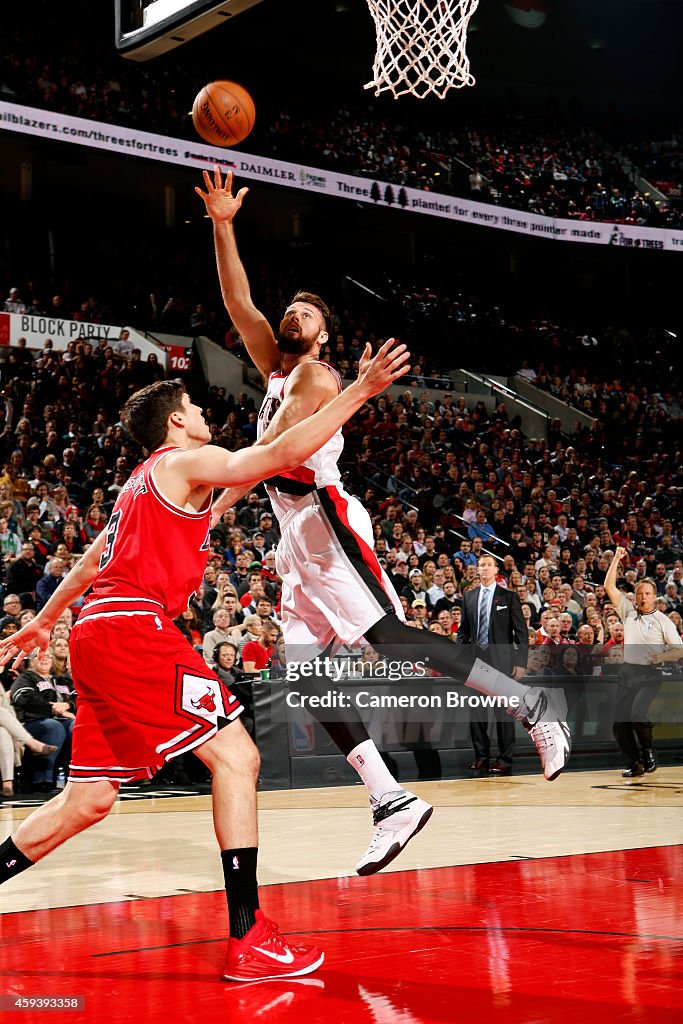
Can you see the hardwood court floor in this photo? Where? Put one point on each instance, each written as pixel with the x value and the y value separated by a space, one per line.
pixel 522 901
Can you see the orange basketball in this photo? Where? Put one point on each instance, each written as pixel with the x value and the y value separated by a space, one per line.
pixel 223 113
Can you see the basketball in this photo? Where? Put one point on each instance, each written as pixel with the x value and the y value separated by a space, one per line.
pixel 223 113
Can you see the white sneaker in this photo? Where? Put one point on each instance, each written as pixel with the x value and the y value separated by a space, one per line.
pixel 543 713
pixel 397 817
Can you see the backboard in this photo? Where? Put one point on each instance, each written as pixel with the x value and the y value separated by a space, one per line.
pixel 146 28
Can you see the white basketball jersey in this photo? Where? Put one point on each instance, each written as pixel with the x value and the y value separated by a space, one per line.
pixel 321 470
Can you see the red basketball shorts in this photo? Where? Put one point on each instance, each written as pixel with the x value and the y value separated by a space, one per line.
pixel 144 694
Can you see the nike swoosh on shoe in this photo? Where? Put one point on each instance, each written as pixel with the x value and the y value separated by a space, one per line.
pixel 282 958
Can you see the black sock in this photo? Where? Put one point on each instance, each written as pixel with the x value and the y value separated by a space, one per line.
pixel 241 887
pixel 343 725
pixel 12 861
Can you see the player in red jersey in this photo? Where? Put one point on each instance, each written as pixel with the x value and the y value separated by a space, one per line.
pixel 144 695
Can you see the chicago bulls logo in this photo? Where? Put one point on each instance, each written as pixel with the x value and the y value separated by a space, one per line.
pixel 207 702
pixel 199 697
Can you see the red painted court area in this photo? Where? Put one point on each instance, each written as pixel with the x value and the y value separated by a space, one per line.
pixel 584 938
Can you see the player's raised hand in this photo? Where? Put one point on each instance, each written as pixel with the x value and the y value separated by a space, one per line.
pixel 390 363
pixel 19 644
pixel 620 554
pixel 221 204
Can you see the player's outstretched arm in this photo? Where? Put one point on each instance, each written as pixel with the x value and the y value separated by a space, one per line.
pixel 222 206
pixel 213 466
pixel 36 633
pixel 611 588
pixel 225 500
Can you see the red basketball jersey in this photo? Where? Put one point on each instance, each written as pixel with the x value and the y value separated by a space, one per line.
pixel 153 548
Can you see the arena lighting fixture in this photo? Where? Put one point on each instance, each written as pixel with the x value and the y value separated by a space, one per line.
pixel 160 9
pixel 526 13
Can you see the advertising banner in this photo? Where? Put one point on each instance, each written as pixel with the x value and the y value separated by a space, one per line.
pixel 36 329
pixel 131 142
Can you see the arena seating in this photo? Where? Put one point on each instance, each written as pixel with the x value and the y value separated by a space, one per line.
pixel 527 163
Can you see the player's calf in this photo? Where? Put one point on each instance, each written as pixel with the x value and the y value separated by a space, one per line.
pixel 75 809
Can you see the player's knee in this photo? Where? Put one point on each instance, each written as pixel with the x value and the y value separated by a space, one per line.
pixel 243 755
pixel 87 804
pixel 99 805
pixel 232 750
pixel 253 761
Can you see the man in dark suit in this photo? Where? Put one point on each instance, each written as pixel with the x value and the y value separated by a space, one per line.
pixel 493 621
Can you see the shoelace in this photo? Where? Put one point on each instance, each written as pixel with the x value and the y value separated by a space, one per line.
pixel 273 930
pixel 275 937
pixel 541 735
pixel 377 837
pixel 274 934
pixel 393 806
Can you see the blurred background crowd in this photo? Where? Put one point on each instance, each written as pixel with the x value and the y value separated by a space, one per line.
pixel 444 474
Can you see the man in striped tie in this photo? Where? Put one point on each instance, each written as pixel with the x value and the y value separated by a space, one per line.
pixel 492 620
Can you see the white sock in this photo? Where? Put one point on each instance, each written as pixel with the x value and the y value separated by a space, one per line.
pixel 366 760
pixel 489 680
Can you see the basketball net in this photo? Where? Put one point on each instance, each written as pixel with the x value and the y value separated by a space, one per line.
pixel 421 46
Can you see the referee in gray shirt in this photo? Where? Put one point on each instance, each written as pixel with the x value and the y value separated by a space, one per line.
pixel 648 634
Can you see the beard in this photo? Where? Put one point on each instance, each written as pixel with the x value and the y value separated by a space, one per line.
pixel 294 344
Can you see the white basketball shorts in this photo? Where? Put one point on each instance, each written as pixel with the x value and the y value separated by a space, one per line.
pixel 333 585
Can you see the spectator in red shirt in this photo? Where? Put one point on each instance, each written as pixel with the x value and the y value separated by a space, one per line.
pixel 616 636
pixel 553 629
pixel 554 640
pixel 256 654
pixel 94 524
pixel 250 593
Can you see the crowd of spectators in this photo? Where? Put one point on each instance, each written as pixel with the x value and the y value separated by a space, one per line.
pixel 661 162
pixel 525 163
pixel 636 402
pixel 532 166
pixel 522 163
pixel 443 477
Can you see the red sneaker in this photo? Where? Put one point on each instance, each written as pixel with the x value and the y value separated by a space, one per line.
pixel 263 955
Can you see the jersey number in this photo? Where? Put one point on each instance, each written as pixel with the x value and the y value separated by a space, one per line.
pixel 110 540
pixel 270 406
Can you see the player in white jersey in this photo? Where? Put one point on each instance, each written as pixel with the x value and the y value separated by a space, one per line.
pixel 333 586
